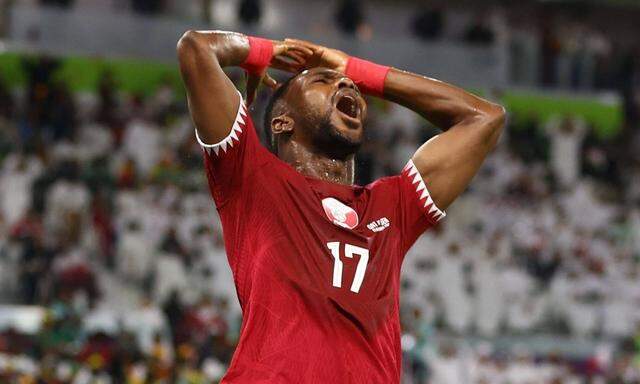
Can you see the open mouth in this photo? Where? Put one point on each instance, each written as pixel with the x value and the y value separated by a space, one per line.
pixel 348 105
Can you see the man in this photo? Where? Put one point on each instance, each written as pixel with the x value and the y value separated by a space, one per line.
pixel 316 260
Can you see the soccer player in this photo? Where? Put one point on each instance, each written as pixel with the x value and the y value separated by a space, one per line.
pixel 316 259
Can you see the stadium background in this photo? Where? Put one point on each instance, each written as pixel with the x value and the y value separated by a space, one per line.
pixel 112 266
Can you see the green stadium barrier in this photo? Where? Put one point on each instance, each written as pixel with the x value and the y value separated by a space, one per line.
pixel 143 77
pixel 606 116
pixel 84 73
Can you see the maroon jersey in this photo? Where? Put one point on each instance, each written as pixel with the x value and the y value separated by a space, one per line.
pixel 316 264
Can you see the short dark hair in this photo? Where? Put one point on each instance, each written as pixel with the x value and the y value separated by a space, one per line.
pixel 272 105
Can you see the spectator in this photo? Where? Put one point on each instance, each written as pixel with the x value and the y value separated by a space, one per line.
pixel 428 23
pixel 67 198
pixel 35 258
pixel 170 275
pixel 566 137
pixel 61 122
pixel 479 32
pixel 350 16
pixel 448 366
pixel 146 322
pixel 108 105
pixel 135 254
pixel 489 298
pixel 452 289
pixel 550 48
pixel 6 101
pixel 16 181
pixel 250 12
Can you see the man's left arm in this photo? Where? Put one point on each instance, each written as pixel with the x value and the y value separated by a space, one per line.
pixel 471 126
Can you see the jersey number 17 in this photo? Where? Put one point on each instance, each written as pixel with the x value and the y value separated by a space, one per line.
pixel 349 251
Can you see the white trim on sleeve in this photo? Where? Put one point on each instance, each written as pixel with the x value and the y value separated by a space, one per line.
pixel 426 202
pixel 237 129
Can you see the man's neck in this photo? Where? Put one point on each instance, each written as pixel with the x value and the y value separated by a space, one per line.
pixel 317 165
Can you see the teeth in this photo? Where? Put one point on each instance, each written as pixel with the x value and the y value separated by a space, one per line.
pixel 348 106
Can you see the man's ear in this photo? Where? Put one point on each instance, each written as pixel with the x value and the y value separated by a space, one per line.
pixel 282 124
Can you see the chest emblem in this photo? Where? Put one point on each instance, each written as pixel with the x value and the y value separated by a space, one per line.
pixel 339 213
pixel 379 225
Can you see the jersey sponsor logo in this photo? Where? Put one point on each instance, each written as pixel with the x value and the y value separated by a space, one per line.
pixel 339 213
pixel 379 225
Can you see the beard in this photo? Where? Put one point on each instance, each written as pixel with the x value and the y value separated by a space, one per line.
pixel 329 140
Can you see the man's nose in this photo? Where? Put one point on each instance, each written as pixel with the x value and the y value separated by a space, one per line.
pixel 346 82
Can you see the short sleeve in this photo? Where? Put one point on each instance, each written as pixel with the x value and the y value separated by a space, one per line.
pixel 230 163
pixel 418 212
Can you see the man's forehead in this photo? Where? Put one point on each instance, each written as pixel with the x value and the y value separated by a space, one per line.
pixel 298 81
pixel 317 70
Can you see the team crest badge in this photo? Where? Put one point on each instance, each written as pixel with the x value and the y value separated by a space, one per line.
pixel 339 213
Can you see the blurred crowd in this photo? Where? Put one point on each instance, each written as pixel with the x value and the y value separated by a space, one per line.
pixel 546 242
pixel 106 224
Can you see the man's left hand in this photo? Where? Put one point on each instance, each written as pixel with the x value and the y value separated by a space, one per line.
pixel 323 56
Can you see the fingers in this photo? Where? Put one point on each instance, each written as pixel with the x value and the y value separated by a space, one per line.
pixel 317 54
pixel 301 49
pixel 289 57
pixel 313 61
pixel 270 82
pixel 281 63
pixel 299 58
pixel 282 47
pixel 303 43
pixel 253 81
pixel 317 51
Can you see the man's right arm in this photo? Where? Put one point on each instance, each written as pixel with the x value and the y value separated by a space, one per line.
pixel 213 99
